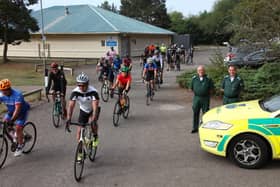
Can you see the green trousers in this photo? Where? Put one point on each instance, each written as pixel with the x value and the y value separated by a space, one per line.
pixel 227 100
pixel 199 103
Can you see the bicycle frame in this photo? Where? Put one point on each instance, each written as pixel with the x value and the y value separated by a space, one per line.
pixel 4 131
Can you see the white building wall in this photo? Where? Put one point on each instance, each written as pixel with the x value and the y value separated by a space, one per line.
pixel 82 46
pixel 71 46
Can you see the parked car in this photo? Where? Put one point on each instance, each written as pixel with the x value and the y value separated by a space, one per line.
pixel 256 58
pixel 247 132
pixel 236 53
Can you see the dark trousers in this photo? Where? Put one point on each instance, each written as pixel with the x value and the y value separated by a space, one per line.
pixel 199 103
pixel 227 100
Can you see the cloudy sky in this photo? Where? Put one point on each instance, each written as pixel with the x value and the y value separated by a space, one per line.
pixel 187 7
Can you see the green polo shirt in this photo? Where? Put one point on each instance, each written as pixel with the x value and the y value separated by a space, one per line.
pixel 202 87
pixel 233 88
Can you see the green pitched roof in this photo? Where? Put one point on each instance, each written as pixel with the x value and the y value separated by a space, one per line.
pixel 87 19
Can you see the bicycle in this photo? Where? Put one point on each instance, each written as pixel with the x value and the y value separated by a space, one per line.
pixel 150 93
pixel 105 88
pixel 121 107
pixel 7 132
pixel 84 148
pixel 57 112
pixel 157 80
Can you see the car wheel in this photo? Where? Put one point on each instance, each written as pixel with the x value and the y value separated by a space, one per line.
pixel 249 151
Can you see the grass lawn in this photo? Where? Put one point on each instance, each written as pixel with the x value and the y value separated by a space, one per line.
pixel 22 73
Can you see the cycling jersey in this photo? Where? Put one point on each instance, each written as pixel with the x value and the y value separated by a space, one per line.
pixel 150 71
pixel 58 82
pixel 15 98
pixel 85 98
pixel 150 67
pixel 117 63
pixel 158 61
pixel 124 80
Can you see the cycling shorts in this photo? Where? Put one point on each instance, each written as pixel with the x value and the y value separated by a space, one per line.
pixel 84 117
pixel 20 120
pixel 150 75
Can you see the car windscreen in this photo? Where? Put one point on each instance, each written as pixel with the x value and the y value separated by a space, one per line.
pixel 271 104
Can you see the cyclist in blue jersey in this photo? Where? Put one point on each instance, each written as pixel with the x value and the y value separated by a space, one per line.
pixel 150 72
pixel 17 109
pixel 159 62
pixel 117 62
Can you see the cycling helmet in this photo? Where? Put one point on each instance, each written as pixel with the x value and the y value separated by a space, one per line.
pixel 5 84
pixel 125 69
pixel 82 78
pixel 150 60
pixel 54 65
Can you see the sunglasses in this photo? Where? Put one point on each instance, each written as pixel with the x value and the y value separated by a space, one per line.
pixel 81 85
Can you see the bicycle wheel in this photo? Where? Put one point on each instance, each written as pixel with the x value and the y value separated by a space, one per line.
pixel 91 149
pixel 3 150
pixel 126 109
pixel 56 114
pixel 29 137
pixel 105 92
pixel 116 114
pixel 79 161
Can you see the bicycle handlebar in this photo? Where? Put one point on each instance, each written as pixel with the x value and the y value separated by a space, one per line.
pixel 67 127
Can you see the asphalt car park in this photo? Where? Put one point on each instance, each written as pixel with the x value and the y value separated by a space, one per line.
pixel 153 147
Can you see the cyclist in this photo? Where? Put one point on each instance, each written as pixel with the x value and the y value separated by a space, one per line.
pixel 106 70
pixel 17 111
pixel 159 62
pixel 123 81
pixel 127 62
pixel 163 50
pixel 88 99
pixel 150 72
pixel 117 64
pixel 57 82
pixel 112 53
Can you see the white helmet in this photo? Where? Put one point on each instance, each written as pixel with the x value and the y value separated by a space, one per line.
pixel 82 78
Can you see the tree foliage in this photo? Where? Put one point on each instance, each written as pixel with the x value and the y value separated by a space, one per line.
pixel 150 11
pixel 207 27
pixel 105 5
pixel 15 22
pixel 257 20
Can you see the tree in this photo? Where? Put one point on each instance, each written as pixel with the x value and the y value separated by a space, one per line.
pixel 258 21
pixel 105 5
pixel 178 22
pixel 15 22
pixel 150 11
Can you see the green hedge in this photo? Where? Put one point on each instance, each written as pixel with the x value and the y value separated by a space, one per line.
pixel 259 83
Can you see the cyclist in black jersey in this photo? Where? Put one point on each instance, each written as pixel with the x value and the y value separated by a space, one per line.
pixel 88 99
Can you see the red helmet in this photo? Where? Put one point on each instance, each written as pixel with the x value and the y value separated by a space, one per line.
pixel 54 65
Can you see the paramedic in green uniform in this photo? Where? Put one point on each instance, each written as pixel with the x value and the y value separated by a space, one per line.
pixel 232 85
pixel 202 86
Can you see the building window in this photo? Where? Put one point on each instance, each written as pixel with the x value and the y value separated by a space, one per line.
pixel 133 41
pixel 103 43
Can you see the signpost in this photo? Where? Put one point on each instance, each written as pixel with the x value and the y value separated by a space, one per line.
pixel 44 48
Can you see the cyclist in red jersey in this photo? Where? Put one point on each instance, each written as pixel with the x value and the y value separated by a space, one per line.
pixel 123 81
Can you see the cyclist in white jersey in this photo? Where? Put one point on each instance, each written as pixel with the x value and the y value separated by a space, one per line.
pixel 88 99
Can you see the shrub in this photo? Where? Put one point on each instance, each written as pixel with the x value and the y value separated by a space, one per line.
pixel 259 83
